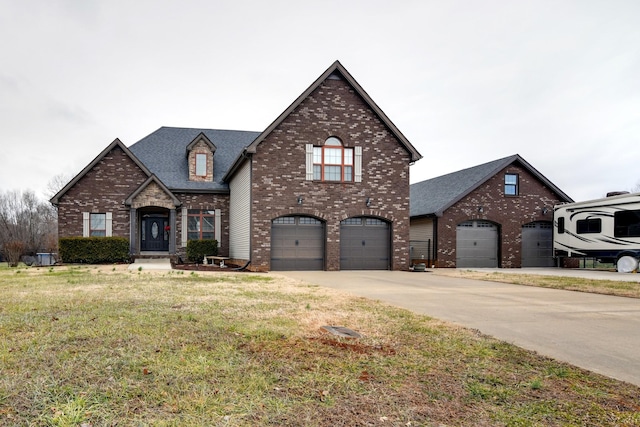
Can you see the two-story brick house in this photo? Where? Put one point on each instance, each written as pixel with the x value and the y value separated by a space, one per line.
pixel 325 186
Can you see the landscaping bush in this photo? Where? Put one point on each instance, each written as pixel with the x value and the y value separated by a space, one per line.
pixel 94 250
pixel 198 249
pixel 13 250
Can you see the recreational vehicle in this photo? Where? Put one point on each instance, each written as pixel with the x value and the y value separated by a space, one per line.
pixel 607 229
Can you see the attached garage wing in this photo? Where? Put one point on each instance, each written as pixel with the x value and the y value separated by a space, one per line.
pixel 297 243
pixel 364 244
pixel 477 244
pixel 537 244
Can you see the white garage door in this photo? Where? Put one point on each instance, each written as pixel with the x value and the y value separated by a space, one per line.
pixel 537 244
pixel 476 244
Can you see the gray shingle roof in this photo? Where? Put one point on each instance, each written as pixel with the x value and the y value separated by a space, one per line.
pixel 434 196
pixel 164 153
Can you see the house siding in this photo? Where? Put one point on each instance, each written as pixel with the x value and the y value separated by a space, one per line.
pixel 102 189
pixel 279 174
pixel 510 213
pixel 240 213
pixel 422 240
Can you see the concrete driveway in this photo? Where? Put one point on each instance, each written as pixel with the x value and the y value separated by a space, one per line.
pixel 596 332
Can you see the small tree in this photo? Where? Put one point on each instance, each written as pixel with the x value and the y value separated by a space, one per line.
pixel 13 250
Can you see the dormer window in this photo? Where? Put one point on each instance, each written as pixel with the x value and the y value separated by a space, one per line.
pixel 201 164
pixel 200 158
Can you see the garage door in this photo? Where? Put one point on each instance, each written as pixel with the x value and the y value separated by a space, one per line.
pixel 364 244
pixel 476 244
pixel 297 243
pixel 537 244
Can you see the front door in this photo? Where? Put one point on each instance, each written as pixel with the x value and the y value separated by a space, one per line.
pixel 155 236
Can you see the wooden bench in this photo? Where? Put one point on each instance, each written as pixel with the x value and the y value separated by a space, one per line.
pixel 213 260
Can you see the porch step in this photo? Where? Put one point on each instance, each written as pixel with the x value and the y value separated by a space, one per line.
pixel 151 264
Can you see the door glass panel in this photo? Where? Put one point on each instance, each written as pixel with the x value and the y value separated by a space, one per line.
pixel 154 230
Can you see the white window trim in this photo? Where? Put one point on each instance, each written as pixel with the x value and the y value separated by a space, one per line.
pixel 357 163
pixel 309 165
pixel 86 224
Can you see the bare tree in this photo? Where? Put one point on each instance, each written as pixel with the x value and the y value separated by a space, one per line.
pixel 27 225
pixel 56 184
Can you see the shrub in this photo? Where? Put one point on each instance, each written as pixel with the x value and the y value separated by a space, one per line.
pixel 13 250
pixel 94 250
pixel 198 249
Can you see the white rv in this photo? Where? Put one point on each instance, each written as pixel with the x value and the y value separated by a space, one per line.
pixel 607 229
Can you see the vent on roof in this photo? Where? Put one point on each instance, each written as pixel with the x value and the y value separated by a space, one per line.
pixel 335 76
pixel 616 193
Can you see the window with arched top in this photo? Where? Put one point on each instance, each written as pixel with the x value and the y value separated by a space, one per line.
pixel 333 161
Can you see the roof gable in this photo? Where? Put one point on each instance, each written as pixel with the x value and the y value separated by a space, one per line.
pixel 116 143
pixel 152 179
pixel 201 138
pixel 336 70
pixel 434 196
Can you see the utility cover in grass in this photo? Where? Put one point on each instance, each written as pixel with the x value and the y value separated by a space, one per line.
pixel 341 331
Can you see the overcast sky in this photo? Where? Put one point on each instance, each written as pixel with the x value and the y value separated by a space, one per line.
pixel 467 82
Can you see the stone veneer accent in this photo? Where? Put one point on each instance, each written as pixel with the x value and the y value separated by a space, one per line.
pixel 279 174
pixel 152 195
pixel 509 212
pixel 200 147
pixel 102 189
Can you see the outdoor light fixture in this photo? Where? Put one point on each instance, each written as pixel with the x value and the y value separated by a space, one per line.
pixel 368 201
pixel 299 200
pixel 480 209
pixel 545 210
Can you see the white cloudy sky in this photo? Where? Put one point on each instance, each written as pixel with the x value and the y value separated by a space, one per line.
pixel 467 82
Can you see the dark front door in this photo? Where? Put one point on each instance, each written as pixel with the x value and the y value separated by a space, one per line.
pixel 154 235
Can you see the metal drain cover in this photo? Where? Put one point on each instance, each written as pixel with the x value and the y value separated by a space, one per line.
pixel 341 331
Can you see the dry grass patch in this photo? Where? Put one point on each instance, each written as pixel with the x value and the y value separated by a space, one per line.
pixel 604 287
pixel 98 347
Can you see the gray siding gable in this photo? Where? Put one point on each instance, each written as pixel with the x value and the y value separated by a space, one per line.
pixel 163 152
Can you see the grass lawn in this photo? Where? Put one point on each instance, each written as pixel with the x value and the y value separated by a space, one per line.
pixel 89 346
pixel 604 287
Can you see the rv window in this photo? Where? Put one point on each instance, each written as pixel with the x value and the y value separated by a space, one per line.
pixel 561 225
pixel 626 224
pixel 591 225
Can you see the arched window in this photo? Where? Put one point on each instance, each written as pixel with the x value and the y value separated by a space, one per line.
pixel 333 161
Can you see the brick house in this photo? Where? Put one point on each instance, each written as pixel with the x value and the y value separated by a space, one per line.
pixel 498 214
pixel 325 186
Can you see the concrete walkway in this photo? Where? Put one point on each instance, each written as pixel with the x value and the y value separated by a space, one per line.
pixel 596 332
pixel 151 264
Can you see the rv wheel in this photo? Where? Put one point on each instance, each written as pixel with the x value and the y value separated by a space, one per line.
pixel 627 264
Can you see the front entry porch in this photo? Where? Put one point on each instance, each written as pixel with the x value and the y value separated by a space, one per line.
pixel 153 232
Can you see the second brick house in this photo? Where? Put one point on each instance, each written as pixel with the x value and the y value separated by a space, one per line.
pixel 325 186
pixel 497 214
